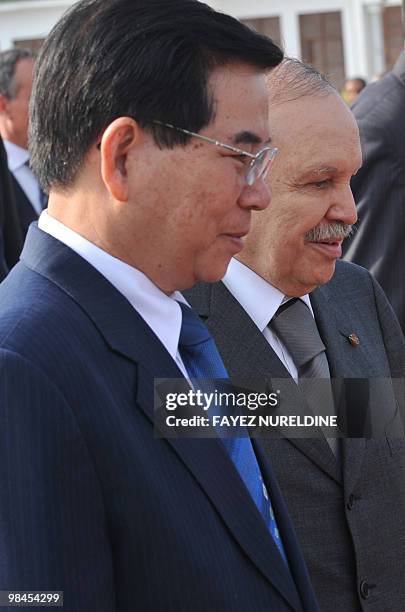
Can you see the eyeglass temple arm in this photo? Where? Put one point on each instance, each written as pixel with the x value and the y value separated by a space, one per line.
pixel 210 140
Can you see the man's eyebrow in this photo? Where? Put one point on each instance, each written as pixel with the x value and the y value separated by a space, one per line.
pixel 247 137
pixel 319 171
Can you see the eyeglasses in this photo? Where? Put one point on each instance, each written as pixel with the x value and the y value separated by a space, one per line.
pixel 260 163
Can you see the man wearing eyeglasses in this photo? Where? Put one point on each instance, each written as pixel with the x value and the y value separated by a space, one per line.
pixel 323 332
pixel 149 131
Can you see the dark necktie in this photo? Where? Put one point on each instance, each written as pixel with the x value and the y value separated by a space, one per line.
pixel 43 197
pixel 202 360
pixel 296 328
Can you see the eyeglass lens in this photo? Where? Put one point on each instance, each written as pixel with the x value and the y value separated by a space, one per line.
pixel 260 166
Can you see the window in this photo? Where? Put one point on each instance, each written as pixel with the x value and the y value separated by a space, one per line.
pixel 393 35
pixel 32 45
pixel 322 44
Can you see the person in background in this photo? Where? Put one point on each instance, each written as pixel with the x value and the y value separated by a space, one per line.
pixel 379 186
pixel 352 88
pixel 346 497
pixel 10 235
pixel 16 74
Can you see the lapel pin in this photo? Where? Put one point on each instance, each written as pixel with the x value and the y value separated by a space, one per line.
pixel 354 339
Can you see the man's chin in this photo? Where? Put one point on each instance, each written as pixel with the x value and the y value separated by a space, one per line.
pixel 308 283
pixel 215 272
pixel 325 274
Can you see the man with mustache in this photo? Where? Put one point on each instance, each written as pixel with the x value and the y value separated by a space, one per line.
pixel 346 497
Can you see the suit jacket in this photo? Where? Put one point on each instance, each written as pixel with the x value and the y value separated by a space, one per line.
pixel 90 501
pixel 10 235
pixel 25 210
pixel 350 520
pixel 379 186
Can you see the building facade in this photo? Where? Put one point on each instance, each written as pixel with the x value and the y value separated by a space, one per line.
pixel 343 38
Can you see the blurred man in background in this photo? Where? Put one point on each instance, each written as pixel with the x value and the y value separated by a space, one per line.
pixel 16 74
pixel 352 88
pixel 379 186
pixel 10 235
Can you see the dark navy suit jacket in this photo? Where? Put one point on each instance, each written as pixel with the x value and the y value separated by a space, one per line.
pixel 90 502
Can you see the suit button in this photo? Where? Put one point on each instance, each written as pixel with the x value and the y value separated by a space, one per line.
pixel 350 502
pixel 364 589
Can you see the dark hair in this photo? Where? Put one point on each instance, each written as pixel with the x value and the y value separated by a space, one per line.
pixel 148 59
pixel 8 63
pixel 293 79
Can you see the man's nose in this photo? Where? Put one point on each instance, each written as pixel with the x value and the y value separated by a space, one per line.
pixel 256 196
pixel 344 208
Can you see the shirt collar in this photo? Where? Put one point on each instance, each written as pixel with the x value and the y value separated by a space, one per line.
pixel 257 297
pixel 160 311
pixel 16 156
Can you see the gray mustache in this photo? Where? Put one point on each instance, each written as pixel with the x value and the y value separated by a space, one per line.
pixel 336 230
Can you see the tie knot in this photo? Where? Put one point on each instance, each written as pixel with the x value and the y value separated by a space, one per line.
pixel 296 328
pixel 193 331
pixel 197 347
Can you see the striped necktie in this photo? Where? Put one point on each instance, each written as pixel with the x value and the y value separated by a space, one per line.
pixel 296 328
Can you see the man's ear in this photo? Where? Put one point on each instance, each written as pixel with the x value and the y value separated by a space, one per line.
pixel 118 141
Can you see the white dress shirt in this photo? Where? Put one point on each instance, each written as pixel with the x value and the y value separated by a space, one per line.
pixel 17 164
pixel 160 312
pixel 260 300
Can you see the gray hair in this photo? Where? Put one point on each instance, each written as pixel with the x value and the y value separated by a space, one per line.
pixel 293 79
pixel 8 63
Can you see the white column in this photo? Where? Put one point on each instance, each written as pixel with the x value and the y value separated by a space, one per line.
pixel 290 31
pixel 375 46
pixel 355 39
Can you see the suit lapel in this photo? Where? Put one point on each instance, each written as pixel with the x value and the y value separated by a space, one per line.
pixel 250 359
pixel 345 360
pixel 335 320
pixel 127 334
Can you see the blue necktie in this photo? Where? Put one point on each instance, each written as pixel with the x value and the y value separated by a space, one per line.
pixel 202 360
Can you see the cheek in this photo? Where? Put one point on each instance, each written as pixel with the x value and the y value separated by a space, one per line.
pixel 217 206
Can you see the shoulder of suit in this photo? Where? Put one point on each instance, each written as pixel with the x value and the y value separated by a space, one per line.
pixel 33 308
pixel 349 276
pixel 378 96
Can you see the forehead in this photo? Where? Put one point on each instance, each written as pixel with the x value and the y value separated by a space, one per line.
pixel 240 101
pixel 316 129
